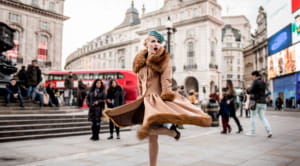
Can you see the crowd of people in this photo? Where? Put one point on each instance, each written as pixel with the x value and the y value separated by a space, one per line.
pixel 253 101
pixel 28 84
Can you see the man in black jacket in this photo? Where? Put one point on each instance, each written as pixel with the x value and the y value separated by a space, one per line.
pixel 34 77
pixel 258 94
pixel 13 90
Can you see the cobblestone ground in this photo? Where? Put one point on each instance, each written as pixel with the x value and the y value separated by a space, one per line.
pixel 197 147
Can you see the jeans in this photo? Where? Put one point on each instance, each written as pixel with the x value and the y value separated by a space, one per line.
pixel 30 92
pixel 8 96
pixel 260 110
pixel 68 96
pixel 41 99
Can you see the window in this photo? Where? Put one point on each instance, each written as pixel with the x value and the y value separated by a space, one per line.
pixel 190 53
pixel 159 22
pixel 51 6
pixel 14 18
pixel 17 35
pixel 44 25
pixel 42 48
pixel 212 53
pixel 35 2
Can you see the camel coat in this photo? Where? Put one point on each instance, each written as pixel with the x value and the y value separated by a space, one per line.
pixel 157 103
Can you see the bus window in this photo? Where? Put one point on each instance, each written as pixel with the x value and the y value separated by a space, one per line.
pixel 50 77
pixel 120 76
pixel 79 76
pixel 91 76
pixel 100 75
pixel 58 77
pixel 110 76
pixel 86 76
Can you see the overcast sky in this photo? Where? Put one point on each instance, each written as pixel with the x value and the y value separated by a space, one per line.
pixel 89 19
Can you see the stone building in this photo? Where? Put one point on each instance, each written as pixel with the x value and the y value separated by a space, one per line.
pixel 235 37
pixel 39 25
pixel 255 54
pixel 195 46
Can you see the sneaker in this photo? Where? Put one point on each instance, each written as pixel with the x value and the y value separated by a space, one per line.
pixel 250 134
pixel 269 134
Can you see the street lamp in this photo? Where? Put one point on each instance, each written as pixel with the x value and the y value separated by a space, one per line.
pixel 170 29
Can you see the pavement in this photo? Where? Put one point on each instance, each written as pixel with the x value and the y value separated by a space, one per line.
pixel 197 147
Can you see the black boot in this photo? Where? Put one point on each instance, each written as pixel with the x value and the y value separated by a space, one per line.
pixel 173 127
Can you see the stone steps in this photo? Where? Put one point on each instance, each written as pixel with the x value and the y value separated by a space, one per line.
pixel 14 127
pixel 53 135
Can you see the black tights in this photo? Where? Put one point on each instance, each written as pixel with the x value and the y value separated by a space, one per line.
pixel 111 128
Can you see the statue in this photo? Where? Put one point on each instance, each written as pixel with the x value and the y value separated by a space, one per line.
pixel 6 43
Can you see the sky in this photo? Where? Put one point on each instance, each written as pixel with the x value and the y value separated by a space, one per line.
pixel 90 20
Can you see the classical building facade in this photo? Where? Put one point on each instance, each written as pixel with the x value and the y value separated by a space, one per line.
pixel 255 54
pixel 235 37
pixel 195 46
pixel 39 25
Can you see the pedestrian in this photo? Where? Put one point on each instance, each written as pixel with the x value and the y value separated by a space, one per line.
pixel 13 91
pixel 278 104
pixel 257 90
pixel 51 92
pixel 115 98
pixel 192 97
pixel 23 81
pixel 34 77
pixel 247 104
pixel 182 91
pixel 298 103
pixel 225 113
pixel 157 105
pixel 232 102
pixel 212 108
pixel 69 85
pixel 42 95
pixel 242 98
pixel 95 101
pixel 81 92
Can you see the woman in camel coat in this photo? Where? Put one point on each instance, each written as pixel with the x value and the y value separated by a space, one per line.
pixel 157 104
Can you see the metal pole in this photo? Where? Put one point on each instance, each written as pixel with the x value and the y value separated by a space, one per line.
pixel 169 40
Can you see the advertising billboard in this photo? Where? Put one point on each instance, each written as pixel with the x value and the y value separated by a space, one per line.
pixel 278 15
pixel 284 62
pixel 280 40
pixel 296 27
pixel 295 5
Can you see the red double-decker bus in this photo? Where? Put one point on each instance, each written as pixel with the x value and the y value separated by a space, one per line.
pixel 126 79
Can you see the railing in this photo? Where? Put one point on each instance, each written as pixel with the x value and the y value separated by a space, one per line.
pixel 213 66
pixel 190 67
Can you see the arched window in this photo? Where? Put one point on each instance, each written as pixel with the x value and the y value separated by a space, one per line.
pixel 190 53
pixel 42 48
pixel 213 53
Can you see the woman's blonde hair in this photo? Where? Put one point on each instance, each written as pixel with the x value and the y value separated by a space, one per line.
pixel 146 41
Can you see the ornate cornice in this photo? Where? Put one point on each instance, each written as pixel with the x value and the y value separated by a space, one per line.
pixel 103 48
pixel 183 23
pixel 34 9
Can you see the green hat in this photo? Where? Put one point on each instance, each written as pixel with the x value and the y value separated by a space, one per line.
pixel 158 36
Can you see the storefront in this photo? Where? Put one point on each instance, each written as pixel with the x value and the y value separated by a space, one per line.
pixel 288 89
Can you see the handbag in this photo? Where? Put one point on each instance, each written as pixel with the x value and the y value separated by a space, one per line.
pixel 252 105
pixel 45 99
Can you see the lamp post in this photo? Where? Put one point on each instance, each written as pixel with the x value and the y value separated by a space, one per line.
pixel 170 29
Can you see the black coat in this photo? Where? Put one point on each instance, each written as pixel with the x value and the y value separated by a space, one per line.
pixel 33 75
pixel 51 93
pixel 258 91
pixel 95 111
pixel 81 93
pixel 116 95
